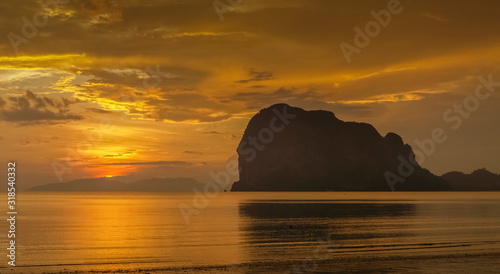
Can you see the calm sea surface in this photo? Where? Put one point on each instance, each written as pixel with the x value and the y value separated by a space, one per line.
pixel 285 230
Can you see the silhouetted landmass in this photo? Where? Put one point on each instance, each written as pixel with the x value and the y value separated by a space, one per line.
pixel 92 184
pixel 315 151
pixel 478 180
pixel 110 185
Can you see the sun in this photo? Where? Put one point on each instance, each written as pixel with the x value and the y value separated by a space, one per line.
pixel 103 171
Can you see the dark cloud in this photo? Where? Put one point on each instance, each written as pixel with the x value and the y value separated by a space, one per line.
pixel 159 76
pixel 31 109
pixel 227 135
pixel 192 152
pixel 258 100
pixel 309 99
pixel 118 154
pixel 35 140
pixel 188 107
pixel 98 110
pixel 256 76
pixel 155 163
pixel 24 142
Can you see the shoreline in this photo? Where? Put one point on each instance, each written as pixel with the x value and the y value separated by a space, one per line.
pixel 438 263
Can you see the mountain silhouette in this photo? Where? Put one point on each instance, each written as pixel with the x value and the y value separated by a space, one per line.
pixel 286 148
pixel 478 180
pixel 111 185
pixel 92 184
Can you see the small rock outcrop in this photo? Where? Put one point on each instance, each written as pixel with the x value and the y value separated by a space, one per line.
pixel 478 180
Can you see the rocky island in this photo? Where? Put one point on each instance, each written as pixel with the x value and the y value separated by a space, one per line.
pixel 287 148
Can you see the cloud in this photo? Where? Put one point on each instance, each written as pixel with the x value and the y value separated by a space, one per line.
pixel 192 152
pixel 98 110
pixel 102 11
pixel 197 53
pixel 30 109
pixel 227 135
pixel 118 154
pixel 307 99
pixel 41 62
pixel 435 17
pixel 256 76
pixel 258 100
pixel 155 163
pixel 35 140
pixel 190 107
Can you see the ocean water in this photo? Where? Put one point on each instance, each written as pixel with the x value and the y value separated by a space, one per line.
pixel 279 231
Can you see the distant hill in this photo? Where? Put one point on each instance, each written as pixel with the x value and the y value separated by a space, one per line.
pixel 478 180
pixel 287 148
pixel 111 185
pixel 92 184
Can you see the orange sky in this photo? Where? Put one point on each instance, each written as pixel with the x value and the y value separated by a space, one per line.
pixel 165 88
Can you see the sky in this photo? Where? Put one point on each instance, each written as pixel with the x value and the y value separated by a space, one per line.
pixel 139 89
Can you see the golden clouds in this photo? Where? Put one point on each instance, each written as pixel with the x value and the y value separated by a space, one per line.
pixel 171 68
pixel 50 61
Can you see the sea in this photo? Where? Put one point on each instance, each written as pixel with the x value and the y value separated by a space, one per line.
pixel 256 232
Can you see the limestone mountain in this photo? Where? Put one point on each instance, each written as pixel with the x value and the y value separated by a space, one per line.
pixel 286 148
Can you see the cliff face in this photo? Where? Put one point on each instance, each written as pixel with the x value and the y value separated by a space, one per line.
pixel 478 180
pixel 289 149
